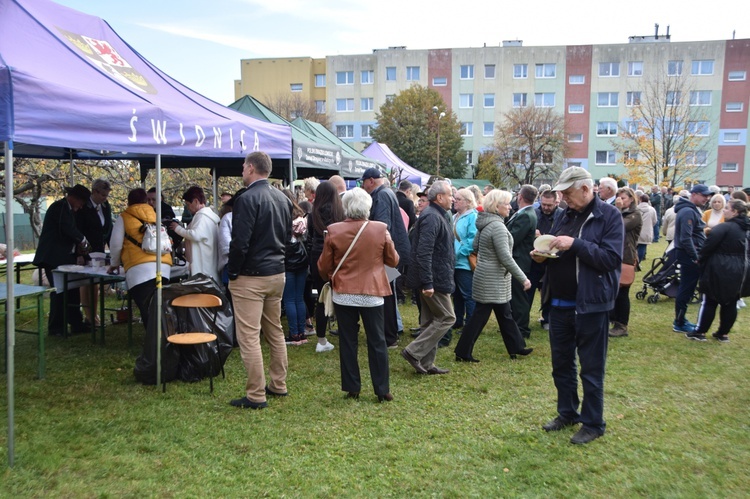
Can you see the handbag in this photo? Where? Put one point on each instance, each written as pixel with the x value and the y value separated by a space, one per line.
pixel 627 275
pixel 326 292
pixel 148 243
pixel 472 261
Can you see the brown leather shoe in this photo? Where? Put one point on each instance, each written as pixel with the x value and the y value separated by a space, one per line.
pixel 413 362
pixel 385 398
pixel 437 370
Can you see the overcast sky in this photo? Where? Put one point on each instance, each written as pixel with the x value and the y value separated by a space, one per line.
pixel 201 43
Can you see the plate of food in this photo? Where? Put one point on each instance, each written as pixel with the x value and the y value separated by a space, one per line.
pixel 541 245
pixel 70 268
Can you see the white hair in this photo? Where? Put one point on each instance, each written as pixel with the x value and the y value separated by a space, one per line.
pixel 357 203
pixel 608 182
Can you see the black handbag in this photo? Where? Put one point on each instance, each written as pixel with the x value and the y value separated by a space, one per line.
pixel 296 256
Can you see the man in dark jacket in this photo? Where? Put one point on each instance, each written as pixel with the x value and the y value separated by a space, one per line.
pixel 522 226
pixel 59 244
pixel 582 285
pixel 688 241
pixel 262 225
pixel 431 272
pixel 405 203
pixel 385 209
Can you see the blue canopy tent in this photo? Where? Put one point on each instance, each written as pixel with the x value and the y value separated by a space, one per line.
pixel 70 88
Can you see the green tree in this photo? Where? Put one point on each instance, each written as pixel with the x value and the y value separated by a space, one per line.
pixel 409 125
pixel 529 145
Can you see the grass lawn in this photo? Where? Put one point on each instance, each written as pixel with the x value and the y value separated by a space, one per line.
pixel 676 411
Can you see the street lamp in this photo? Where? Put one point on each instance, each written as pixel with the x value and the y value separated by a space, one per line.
pixel 441 115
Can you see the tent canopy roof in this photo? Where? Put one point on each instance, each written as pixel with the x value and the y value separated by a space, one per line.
pixel 383 153
pixel 71 87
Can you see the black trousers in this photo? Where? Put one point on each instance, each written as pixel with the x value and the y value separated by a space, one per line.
pixel 520 307
pixel 707 313
pixel 390 319
pixel 621 312
pixel 142 295
pixel 512 337
pixel 55 325
pixel 377 351
pixel 321 321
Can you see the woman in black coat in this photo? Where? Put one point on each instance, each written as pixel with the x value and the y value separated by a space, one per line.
pixel 723 261
pixel 631 218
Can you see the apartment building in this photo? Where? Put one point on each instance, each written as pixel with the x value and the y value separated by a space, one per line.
pixel 593 86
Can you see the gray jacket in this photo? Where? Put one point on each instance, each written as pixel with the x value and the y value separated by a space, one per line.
pixel 495 264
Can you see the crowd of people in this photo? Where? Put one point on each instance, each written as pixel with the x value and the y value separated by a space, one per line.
pixel 460 253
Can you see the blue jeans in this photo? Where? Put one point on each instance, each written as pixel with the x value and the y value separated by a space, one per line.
pixel 462 300
pixel 689 274
pixel 641 248
pixel 294 301
pixel 587 334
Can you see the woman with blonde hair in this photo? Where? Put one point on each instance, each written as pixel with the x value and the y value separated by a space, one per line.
pixel 491 285
pixel 464 230
pixel 478 196
pixel 714 215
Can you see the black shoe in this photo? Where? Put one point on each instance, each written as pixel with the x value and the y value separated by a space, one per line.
pixel 333 332
pixel 523 353
pixel 466 359
pixel 352 395
pixel 245 403
pixel 413 362
pixel 437 370
pixel 584 436
pixel 385 398
pixel 558 424
pixel 275 394
pixel 415 334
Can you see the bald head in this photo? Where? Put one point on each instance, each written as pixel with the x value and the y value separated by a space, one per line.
pixel 338 183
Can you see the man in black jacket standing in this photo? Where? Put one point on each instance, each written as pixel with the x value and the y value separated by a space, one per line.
pixel 262 225
pixel 59 244
pixel 385 209
pixel 405 203
pixel 431 272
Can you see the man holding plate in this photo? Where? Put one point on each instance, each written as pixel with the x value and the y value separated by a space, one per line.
pixel 581 286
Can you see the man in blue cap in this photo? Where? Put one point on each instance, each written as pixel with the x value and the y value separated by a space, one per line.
pixel 688 241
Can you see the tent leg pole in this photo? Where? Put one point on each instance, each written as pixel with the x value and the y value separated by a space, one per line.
pixel 10 316
pixel 158 272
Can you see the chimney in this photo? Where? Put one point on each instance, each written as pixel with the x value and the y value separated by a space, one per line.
pixel 656 34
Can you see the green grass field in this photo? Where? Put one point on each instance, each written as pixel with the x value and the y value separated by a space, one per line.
pixel 676 410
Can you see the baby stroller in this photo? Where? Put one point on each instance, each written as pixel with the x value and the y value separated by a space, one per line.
pixel 663 278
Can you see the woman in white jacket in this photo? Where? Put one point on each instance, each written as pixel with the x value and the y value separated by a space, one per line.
pixel 648 215
pixel 201 236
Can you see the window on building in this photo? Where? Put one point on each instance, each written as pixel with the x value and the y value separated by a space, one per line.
pixel 466 101
pixel 545 99
pixel 439 81
pixel 731 136
pixel 575 108
pixel 489 71
pixel 700 98
pixel 631 127
pixel 674 97
pixel 546 158
pixel 344 105
pixel 573 163
pixel 674 68
pixel 520 71
pixel 575 137
pixel 734 107
pixel 366 131
pixel 630 156
pixel 344 78
pixel 367 77
pixel 467 129
pixel 702 68
pixel 737 75
pixel 699 128
pixel 608 99
pixel 633 99
pixel 345 131
pixel 489 100
pixel 635 68
pixel 606 128
pixel 520 100
pixel 467 72
pixel 609 69
pixel 320 106
pixel 320 80
pixel 729 167
pixel 489 129
pixel 295 87
pixel 605 158
pixel 576 79
pixel 390 97
pixel 547 70
pixel 390 73
pixel 697 158
pixel 412 73
pixel 671 127
pixel 518 156
pixel 366 104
